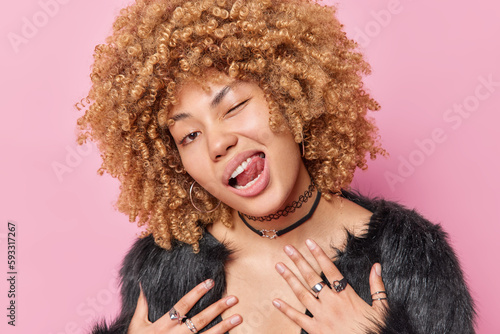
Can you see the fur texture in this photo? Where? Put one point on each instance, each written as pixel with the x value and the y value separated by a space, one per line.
pixel 424 283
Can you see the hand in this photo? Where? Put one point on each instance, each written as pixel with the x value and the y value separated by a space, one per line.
pixel 333 312
pixel 141 325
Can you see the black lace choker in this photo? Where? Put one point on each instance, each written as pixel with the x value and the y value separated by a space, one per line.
pixel 289 208
pixel 272 234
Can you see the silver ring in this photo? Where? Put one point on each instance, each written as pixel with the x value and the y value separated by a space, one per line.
pixel 339 285
pixel 378 292
pixel 191 326
pixel 174 315
pixel 317 288
pixel 378 297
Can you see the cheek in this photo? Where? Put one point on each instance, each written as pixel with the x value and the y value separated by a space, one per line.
pixel 200 172
pixel 256 127
pixel 190 165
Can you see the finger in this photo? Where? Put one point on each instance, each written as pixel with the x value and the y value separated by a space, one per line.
pixel 141 309
pixel 329 269
pixel 207 315
pixel 303 294
pixel 299 318
pixel 186 303
pixel 377 288
pixel 225 325
pixel 310 276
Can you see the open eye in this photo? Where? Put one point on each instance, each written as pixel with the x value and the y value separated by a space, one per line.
pixel 189 138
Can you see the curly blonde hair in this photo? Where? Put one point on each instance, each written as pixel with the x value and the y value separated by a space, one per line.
pixel 297 52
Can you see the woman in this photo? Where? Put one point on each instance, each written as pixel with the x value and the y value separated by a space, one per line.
pixel 234 127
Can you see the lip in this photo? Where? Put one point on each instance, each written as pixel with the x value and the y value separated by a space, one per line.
pixel 234 163
pixel 258 186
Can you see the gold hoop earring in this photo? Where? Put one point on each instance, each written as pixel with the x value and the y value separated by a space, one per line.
pixel 194 205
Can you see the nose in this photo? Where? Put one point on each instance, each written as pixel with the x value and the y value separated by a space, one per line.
pixel 219 144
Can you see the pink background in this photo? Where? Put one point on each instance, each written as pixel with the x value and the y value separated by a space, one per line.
pixel 427 56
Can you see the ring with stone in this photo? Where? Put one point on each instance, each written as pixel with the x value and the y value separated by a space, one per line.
pixel 174 315
pixel 339 285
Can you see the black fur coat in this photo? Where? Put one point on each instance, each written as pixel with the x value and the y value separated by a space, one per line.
pixel 424 283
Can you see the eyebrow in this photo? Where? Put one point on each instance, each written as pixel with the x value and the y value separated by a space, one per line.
pixel 220 95
pixel 215 102
pixel 180 116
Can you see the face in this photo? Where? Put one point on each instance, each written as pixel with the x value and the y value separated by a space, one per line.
pixel 226 145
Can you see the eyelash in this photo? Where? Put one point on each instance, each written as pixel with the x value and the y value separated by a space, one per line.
pixel 183 140
pixel 237 106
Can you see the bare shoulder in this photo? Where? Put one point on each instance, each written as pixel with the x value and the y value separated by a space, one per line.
pixel 349 215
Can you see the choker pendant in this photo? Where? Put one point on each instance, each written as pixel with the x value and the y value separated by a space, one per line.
pixel 273 234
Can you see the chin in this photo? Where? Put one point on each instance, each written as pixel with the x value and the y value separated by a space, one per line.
pixel 264 205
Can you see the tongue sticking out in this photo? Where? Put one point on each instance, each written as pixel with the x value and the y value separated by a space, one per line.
pixel 253 169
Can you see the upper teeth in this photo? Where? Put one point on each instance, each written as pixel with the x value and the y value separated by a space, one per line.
pixel 241 168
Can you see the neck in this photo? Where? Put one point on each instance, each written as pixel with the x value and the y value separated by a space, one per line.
pixel 245 240
pixel 241 235
pixel 284 223
pixel 275 233
pixel 289 209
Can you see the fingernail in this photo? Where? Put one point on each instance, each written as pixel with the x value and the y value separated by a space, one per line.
pixel 231 301
pixel 378 269
pixel 289 250
pixel 310 244
pixel 209 283
pixel 276 303
pixel 235 320
pixel 280 268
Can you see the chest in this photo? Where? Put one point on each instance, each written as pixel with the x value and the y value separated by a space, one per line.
pixel 256 287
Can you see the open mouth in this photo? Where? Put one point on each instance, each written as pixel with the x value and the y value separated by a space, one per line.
pixel 248 172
